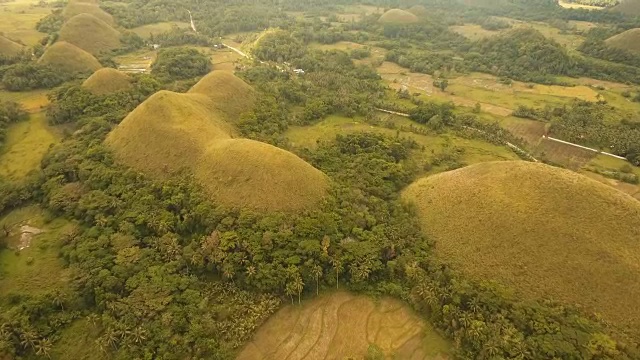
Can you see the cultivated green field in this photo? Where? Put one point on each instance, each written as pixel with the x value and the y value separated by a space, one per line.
pixel 146 31
pixel 26 144
pixel 345 326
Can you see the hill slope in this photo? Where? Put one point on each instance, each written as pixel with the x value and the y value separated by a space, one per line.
pixel 419 10
pixel 397 16
pixel 228 93
pixel 541 230
pixel 69 58
pixel 76 8
pixel 628 40
pixel 170 132
pixel 90 34
pixel 628 7
pixel 9 48
pixel 106 81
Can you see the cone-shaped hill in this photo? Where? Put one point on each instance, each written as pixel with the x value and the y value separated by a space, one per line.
pixel 170 132
pixel 419 10
pixel 69 58
pixel 541 230
pixel 628 40
pixel 228 93
pixel 90 34
pixel 9 48
pixel 74 8
pixel 398 16
pixel 106 81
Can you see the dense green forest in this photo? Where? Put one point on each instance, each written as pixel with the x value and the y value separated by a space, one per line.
pixel 157 267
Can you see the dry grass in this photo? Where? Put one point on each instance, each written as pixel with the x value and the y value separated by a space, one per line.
pixel 90 34
pixel 9 48
pixel 106 81
pixel 419 10
pixel 568 5
pixel 628 40
pixel 229 94
pixel 342 326
pixel 76 8
pixel 18 20
pixel 33 101
pixel 69 58
pixel 628 7
pixel 170 132
pixel 397 16
pixel 541 230
pixel 473 31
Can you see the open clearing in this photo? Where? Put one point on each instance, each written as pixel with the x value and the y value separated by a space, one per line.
pixel 18 20
pixel 434 145
pixel 137 61
pixel 36 268
pixel 541 230
pixel 25 145
pixel 344 326
pixel 578 6
pixel 145 31
pixel 32 101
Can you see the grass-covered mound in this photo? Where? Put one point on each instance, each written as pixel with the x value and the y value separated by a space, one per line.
pixel 90 33
pixel 247 173
pixel 628 40
pixel 228 93
pixel 628 7
pixel 171 132
pixel 9 48
pixel 541 230
pixel 83 7
pixel 419 10
pixel 398 16
pixel 106 81
pixel 69 58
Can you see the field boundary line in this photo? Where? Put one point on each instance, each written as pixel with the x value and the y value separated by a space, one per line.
pixel 584 147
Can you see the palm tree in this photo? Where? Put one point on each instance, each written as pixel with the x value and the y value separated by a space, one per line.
pixel 337 265
pixel 93 319
pixel 43 347
pixel 290 290
pixel 28 338
pixel 58 299
pixel 138 335
pixel 298 285
pixel 251 271
pixel 316 270
pixel 111 337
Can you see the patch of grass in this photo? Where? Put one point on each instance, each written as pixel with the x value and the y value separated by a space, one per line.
pixel 76 8
pixel 543 231
pixel 32 101
pixel 77 342
pixel 90 33
pixel 172 131
pixel 568 5
pixel 107 80
pixel 25 145
pixel 398 16
pixel 628 7
pixel 145 31
pixel 69 58
pixel 473 31
pixel 340 326
pixel 35 269
pixel 18 20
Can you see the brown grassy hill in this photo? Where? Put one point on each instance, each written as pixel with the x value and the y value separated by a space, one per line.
pixel 419 10
pixel 397 16
pixel 628 7
pixel 541 230
pixel 69 58
pixel 170 132
pixel 90 34
pixel 247 173
pixel 228 93
pixel 83 7
pixel 106 81
pixel 628 40
pixel 9 48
